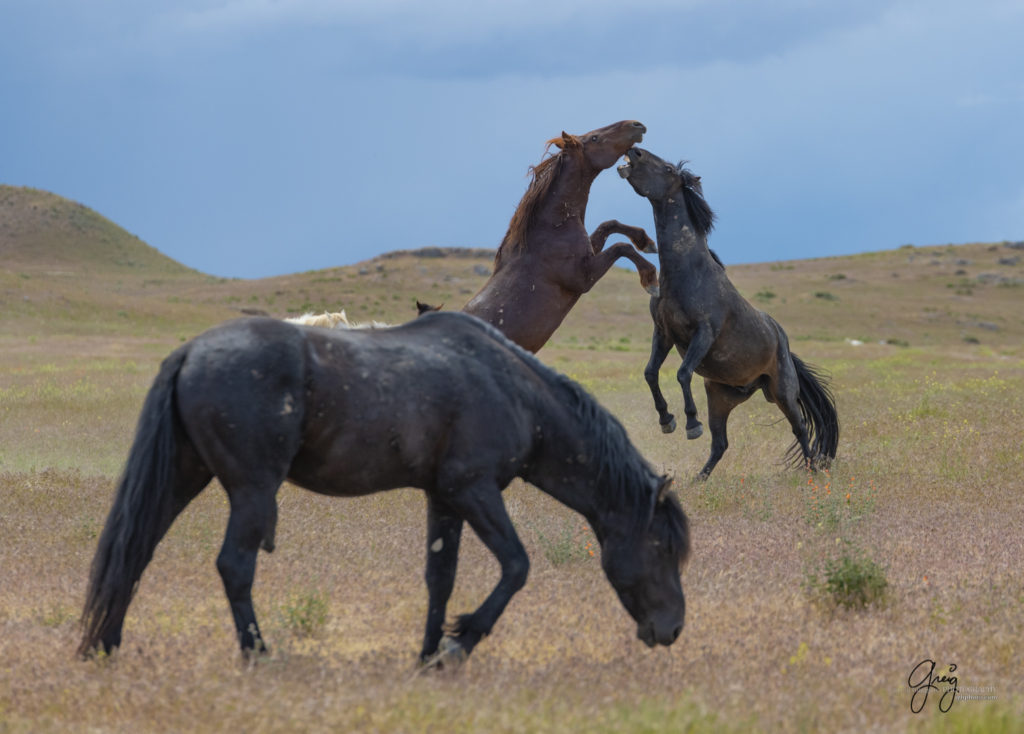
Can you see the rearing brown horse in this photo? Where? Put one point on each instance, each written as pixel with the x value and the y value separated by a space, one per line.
pixel 547 260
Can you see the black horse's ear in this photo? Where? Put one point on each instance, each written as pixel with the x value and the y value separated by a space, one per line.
pixel 422 308
pixel 666 484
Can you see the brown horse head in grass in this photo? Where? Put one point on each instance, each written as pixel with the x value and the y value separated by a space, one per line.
pixel 547 260
pixel 348 412
pixel 736 348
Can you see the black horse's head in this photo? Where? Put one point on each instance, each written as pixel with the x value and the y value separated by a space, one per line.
pixel 659 181
pixel 643 567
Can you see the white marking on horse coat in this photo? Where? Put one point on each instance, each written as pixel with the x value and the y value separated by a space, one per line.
pixel 437 545
pixel 289 404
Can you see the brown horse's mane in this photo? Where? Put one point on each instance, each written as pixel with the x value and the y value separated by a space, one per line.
pixel 544 175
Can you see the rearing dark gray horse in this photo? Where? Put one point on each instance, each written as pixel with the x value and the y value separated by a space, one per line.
pixel 736 348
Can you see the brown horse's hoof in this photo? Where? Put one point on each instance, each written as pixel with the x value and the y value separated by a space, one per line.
pixel 654 290
pixel 693 432
pixel 668 427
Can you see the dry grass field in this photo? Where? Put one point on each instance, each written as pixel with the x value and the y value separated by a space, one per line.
pixel 922 511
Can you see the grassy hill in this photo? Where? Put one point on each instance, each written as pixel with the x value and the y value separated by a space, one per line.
pixel 43 232
pixel 967 295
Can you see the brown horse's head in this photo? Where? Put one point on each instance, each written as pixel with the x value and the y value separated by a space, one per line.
pixel 596 150
pixel 602 147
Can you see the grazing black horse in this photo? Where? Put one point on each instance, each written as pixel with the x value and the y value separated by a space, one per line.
pixel 736 348
pixel 444 403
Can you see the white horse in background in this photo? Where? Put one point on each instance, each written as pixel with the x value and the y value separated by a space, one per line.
pixel 333 320
pixel 339 320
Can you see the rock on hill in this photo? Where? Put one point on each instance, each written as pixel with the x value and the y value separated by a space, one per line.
pixel 40 231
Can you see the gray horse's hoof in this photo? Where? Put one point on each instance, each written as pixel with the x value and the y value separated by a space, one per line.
pixel 696 431
pixel 450 656
pixel 654 290
pixel 668 427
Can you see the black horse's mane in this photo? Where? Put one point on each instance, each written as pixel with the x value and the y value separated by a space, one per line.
pixel 624 468
pixel 693 194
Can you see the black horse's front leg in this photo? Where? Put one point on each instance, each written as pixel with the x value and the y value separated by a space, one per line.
pixel 636 235
pixel 481 505
pixel 444 532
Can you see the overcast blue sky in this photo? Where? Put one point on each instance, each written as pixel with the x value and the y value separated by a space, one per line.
pixel 260 137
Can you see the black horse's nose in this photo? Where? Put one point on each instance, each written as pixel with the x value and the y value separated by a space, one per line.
pixel 676 632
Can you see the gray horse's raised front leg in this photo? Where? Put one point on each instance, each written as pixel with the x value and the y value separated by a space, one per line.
pixel 660 347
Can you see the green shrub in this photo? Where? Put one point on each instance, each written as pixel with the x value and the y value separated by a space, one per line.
pixel 850 579
pixel 306 614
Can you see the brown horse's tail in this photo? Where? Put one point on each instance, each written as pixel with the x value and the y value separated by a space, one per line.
pixel 819 412
pixel 143 509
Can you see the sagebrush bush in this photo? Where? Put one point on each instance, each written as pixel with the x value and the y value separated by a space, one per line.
pixel 850 579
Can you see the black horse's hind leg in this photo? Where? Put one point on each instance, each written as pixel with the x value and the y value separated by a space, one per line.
pixel 251 524
pixel 660 347
pixel 480 504
pixel 721 400
pixel 695 353
pixel 444 531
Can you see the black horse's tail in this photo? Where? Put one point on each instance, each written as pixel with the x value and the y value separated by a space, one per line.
pixel 818 407
pixel 143 509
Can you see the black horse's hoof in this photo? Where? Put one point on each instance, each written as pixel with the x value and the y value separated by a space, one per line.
pixel 669 427
pixel 450 656
pixel 693 432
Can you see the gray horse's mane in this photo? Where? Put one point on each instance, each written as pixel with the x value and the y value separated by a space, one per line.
pixel 693 193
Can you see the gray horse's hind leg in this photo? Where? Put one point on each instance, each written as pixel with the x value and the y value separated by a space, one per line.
pixel 721 400
pixel 786 391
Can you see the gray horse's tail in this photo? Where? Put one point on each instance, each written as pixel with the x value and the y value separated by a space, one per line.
pixel 818 407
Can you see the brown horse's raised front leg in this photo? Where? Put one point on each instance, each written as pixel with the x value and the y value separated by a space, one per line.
pixel 636 235
pixel 602 262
